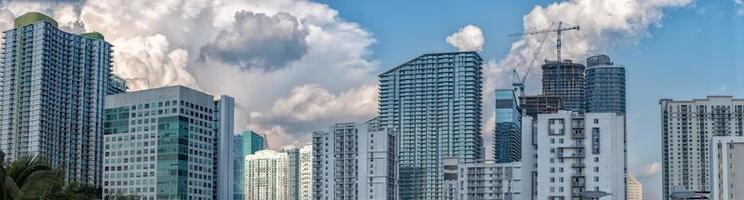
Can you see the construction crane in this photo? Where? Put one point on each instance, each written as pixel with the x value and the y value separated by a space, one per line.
pixel 558 31
pixel 517 80
pixel 558 38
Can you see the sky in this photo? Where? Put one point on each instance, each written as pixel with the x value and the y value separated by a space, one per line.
pixel 296 66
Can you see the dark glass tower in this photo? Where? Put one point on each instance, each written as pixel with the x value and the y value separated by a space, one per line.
pixel 508 134
pixel 605 85
pixel 565 80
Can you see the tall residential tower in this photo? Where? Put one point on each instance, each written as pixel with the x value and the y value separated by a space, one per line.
pixel 434 103
pixel 247 143
pixel 52 89
pixel 687 127
pixel 605 85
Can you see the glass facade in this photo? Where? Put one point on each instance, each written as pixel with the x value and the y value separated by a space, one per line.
pixel 434 103
pixel 158 144
pixel 605 85
pixel 52 88
pixel 247 143
pixel 508 134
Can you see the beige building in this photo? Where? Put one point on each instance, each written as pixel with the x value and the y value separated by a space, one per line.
pixel 635 189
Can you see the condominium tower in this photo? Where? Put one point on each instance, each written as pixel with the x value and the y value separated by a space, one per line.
pixel 434 103
pixel 507 140
pixel 567 154
pixel 306 173
pixel 52 89
pixel 293 155
pixel 565 79
pixel 687 127
pixel 635 188
pixel 605 85
pixel 246 143
pixel 267 176
pixel 158 143
pixel 355 161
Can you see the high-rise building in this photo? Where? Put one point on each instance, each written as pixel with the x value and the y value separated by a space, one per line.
pixel 224 147
pixel 434 103
pixel 507 137
pixel 247 143
pixel 605 85
pixel 686 128
pixel 635 189
pixel 727 168
pixel 354 161
pixel 484 179
pixel 567 154
pixel 540 104
pixel 566 80
pixel 116 85
pixel 158 143
pixel 306 173
pixel 52 89
pixel 267 176
pixel 293 154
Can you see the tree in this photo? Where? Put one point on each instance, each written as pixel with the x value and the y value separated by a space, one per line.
pixel 27 177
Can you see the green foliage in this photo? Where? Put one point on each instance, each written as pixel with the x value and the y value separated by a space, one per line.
pixel 30 177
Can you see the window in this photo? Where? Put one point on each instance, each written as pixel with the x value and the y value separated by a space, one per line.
pixel 595 140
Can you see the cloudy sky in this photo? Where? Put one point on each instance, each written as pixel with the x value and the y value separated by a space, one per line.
pixel 295 66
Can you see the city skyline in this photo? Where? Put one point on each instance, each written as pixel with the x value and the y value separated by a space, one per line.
pixel 283 95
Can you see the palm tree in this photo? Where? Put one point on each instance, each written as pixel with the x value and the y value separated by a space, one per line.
pixel 28 177
pixel 71 191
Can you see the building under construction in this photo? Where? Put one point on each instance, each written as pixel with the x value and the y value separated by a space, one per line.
pixel 540 104
pixel 566 81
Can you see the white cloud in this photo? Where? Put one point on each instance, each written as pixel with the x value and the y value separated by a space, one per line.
pixel 650 170
pixel 149 61
pixel 468 38
pixel 158 43
pixel 740 3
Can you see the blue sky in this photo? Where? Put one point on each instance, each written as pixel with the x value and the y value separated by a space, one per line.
pixel 695 51
pixel 274 56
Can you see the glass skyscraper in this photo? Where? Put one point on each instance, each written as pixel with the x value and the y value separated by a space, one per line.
pixel 52 89
pixel 434 103
pixel 605 85
pixel 158 143
pixel 247 143
pixel 508 134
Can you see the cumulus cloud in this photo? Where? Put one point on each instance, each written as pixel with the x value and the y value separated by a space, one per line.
pixel 650 170
pixel 149 61
pixel 159 43
pixel 259 41
pixel 604 24
pixel 468 38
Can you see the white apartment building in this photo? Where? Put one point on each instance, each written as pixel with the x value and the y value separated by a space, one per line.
pixel 727 168
pixel 635 188
pixel 567 154
pixel 687 127
pixel 306 173
pixel 354 161
pixel 485 179
pixel 267 176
